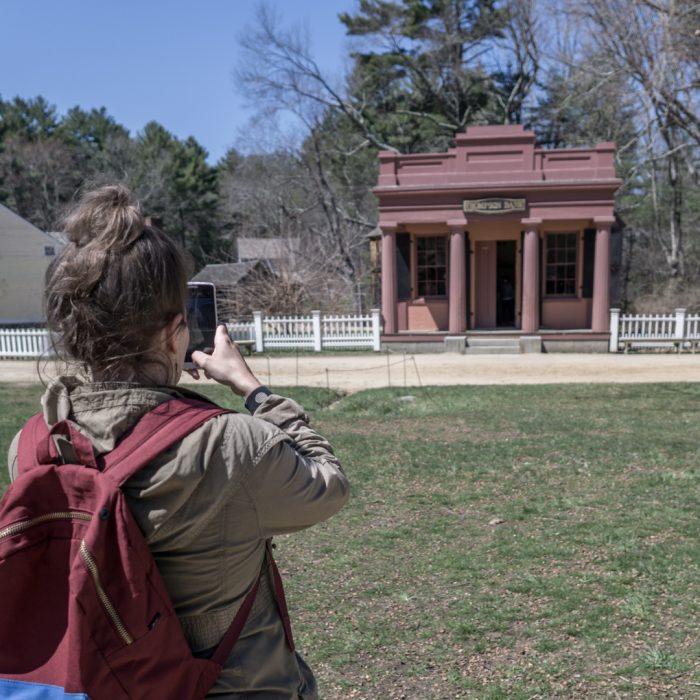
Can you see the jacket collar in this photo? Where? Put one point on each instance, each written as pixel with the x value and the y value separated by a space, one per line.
pixel 103 410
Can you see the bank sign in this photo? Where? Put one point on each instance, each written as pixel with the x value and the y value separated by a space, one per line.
pixel 493 205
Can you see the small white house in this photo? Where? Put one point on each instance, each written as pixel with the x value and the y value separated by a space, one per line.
pixel 25 253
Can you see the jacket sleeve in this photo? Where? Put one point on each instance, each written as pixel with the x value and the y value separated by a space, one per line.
pixel 298 481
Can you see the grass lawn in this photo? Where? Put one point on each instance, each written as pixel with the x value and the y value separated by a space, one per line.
pixel 511 542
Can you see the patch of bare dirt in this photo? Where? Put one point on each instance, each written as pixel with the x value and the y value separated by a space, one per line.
pixel 354 372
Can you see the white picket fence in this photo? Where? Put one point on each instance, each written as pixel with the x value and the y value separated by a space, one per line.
pixel 23 343
pixel 315 332
pixel 677 331
pixel 243 331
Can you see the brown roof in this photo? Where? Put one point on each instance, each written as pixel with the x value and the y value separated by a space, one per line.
pixel 266 248
pixel 224 273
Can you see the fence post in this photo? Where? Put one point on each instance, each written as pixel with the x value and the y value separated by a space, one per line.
pixel 376 330
pixel 316 325
pixel 614 329
pixel 679 334
pixel 680 324
pixel 258 331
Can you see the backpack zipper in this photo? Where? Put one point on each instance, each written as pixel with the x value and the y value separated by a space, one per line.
pixel 84 553
pixel 104 598
pixel 26 524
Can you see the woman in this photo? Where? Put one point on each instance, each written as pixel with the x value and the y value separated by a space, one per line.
pixel 116 297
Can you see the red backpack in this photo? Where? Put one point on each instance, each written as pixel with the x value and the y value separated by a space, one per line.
pixel 84 612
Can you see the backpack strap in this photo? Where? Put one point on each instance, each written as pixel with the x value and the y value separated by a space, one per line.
pixel 236 627
pixel 162 427
pixel 36 445
pixel 156 431
pixel 136 448
pixel 280 597
pixel 234 631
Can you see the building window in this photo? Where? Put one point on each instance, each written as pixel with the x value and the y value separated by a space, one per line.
pixel 561 264
pixel 431 266
pixel 49 250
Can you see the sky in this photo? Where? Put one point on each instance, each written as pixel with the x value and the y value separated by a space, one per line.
pixel 171 61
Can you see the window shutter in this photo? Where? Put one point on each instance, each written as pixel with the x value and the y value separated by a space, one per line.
pixel 403 265
pixel 589 236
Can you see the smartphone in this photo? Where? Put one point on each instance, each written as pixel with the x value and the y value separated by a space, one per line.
pixel 202 318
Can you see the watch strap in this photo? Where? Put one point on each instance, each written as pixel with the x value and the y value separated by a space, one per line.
pixel 256 397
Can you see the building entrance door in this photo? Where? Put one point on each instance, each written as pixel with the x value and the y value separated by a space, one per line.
pixel 495 284
pixel 485 267
pixel 505 284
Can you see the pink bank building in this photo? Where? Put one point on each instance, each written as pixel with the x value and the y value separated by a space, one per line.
pixel 498 241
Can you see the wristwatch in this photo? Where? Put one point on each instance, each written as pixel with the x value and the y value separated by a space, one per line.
pixel 256 397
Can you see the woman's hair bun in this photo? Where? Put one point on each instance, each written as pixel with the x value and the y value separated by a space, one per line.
pixel 106 219
pixel 111 291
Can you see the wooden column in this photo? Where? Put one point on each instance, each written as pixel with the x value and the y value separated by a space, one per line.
pixel 600 321
pixel 389 288
pixel 531 279
pixel 458 280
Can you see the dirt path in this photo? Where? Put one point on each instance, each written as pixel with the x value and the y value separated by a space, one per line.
pixel 353 372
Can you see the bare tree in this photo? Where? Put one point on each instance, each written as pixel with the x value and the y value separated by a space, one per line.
pixel 521 51
pixel 279 72
pixel 307 190
pixel 289 196
pixel 39 178
pixel 649 43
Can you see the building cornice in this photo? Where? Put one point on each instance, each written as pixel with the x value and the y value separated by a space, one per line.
pixel 519 186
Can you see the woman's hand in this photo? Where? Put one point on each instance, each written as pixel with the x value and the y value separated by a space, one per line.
pixel 226 365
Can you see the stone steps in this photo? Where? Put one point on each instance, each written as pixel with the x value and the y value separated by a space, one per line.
pixel 492 346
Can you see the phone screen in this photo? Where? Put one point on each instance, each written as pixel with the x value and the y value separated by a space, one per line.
pixel 201 317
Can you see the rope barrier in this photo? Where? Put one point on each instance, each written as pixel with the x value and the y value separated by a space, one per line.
pixel 365 369
pixel 328 370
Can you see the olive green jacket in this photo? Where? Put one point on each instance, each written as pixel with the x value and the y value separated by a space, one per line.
pixel 207 506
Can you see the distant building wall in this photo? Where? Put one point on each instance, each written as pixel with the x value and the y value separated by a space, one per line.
pixel 25 253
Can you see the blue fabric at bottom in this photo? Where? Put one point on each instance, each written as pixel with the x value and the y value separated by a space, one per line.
pixel 26 690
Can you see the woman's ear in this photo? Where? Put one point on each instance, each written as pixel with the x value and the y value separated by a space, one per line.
pixel 169 334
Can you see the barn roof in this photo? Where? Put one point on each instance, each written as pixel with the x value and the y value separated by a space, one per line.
pixel 266 248
pixel 222 274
